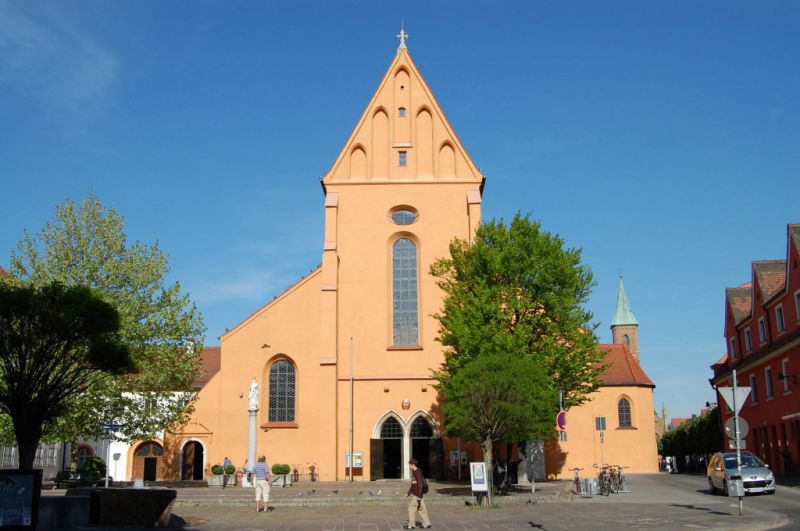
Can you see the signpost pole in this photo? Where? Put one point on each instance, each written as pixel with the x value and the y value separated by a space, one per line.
pixel 736 430
pixel 350 471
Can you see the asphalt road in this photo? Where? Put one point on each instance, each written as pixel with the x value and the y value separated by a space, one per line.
pixel 662 501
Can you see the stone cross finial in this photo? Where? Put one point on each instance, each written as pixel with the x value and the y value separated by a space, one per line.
pixel 402 36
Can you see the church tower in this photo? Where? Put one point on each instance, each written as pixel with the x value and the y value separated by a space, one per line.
pixel 624 327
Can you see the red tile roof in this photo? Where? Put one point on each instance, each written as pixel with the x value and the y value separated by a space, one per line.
pixel 741 301
pixel 678 421
pixel 771 275
pixel 209 365
pixel 623 368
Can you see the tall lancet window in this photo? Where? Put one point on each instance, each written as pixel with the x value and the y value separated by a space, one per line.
pixel 404 290
pixel 281 391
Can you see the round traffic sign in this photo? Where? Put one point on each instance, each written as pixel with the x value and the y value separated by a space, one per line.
pixel 730 428
pixel 561 420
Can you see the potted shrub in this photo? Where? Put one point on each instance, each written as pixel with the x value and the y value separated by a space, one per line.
pixel 217 477
pixel 281 472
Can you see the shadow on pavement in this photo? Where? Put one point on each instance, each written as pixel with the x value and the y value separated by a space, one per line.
pixel 695 508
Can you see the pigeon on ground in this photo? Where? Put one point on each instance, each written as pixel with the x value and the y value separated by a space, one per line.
pixel 370 493
pixel 335 491
pixel 467 503
pixel 379 492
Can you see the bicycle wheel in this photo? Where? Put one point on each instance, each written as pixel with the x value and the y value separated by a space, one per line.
pixel 614 487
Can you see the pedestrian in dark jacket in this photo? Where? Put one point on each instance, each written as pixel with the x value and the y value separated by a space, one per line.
pixel 417 504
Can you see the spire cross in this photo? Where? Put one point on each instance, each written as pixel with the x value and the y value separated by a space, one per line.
pixel 402 36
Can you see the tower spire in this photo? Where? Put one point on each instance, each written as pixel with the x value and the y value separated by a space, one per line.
pixel 624 314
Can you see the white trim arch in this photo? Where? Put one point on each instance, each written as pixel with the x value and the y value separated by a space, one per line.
pixel 376 431
pixel 180 455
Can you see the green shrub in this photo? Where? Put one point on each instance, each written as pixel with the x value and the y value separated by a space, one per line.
pixel 280 469
pixel 230 469
pixel 217 469
pixel 94 464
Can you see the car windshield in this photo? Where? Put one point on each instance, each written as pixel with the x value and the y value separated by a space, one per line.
pixel 747 461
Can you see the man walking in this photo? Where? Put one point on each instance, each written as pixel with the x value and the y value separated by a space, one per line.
pixel 417 504
pixel 262 482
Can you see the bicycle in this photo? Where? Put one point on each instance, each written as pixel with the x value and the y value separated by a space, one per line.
pixel 577 479
pixel 622 479
pixel 604 479
pixel 614 474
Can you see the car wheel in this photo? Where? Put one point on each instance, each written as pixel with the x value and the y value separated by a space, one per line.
pixel 711 486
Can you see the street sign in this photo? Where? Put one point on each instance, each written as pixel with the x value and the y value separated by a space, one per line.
pixel 600 423
pixel 732 444
pixel 111 427
pixel 727 394
pixel 561 420
pixel 730 428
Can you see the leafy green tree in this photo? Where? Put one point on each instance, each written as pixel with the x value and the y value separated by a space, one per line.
pixel 85 244
pixel 498 397
pixel 516 289
pixel 55 343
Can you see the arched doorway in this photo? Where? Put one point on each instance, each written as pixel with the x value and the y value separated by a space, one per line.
pixel 192 459
pixel 386 453
pixel 426 448
pixel 146 460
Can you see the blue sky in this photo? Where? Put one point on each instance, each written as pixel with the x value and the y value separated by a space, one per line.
pixel 660 137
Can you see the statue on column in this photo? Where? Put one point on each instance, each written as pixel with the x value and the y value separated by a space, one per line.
pixel 253 394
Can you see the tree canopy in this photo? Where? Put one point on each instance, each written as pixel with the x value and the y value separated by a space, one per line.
pixel 699 436
pixel 85 244
pixel 499 397
pixel 55 343
pixel 517 290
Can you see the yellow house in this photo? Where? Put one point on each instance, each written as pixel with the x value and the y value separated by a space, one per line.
pixel 359 327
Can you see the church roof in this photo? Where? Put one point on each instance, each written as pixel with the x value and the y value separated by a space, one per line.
pixel 623 368
pixel 624 314
pixel 402 117
pixel 210 359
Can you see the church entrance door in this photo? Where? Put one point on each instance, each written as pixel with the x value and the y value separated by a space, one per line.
pixel 386 459
pixel 145 461
pixel 192 461
pixel 426 449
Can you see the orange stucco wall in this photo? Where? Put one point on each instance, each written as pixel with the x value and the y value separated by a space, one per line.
pixel 633 447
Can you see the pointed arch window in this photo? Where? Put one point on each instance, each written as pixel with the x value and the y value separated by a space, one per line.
pixel 391 429
pixel 624 410
pixel 281 391
pixel 404 293
pixel 626 340
pixel 421 429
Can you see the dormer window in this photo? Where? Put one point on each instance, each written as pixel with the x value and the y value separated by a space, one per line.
pixel 733 348
pixel 401 112
pixel 762 331
pixel 748 341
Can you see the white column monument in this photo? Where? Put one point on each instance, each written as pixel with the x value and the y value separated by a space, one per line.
pixel 251 439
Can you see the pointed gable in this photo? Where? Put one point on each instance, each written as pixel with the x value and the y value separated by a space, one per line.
pixel 402 136
pixel 771 277
pixel 740 301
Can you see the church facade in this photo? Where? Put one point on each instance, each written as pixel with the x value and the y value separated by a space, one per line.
pixel 353 344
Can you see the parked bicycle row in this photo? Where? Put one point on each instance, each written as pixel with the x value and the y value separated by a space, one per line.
pixel 611 479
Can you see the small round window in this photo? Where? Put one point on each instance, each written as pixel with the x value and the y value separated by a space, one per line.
pixel 404 217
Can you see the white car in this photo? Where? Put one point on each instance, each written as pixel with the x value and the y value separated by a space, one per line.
pixel 756 476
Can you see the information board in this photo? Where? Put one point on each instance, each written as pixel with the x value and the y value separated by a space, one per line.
pixel 477 477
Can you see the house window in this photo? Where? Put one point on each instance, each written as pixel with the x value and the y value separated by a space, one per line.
pixel 784 374
pixel 748 341
pixel 753 389
pixel 281 391
pixel 401 112
pixel 779 319
pixel 403 158
pixel 797 304
pixel 762 331
pixel 404 290
pixel 768 382
pixel 624 410
pixel 83 454
pixel 733 348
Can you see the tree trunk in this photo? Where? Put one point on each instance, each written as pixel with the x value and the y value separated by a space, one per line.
pixel 486 444
pixel 28 432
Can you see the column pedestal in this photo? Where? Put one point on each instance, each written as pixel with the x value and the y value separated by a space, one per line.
pixel 251 442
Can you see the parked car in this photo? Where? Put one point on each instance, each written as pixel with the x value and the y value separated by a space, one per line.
pixel 756 476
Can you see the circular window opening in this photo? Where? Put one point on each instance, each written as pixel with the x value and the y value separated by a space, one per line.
pixel 404 216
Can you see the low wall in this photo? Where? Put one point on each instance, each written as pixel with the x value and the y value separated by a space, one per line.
pixel 63 511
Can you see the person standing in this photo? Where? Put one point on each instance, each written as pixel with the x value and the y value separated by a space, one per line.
pixel 417 504
pixel 262 482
